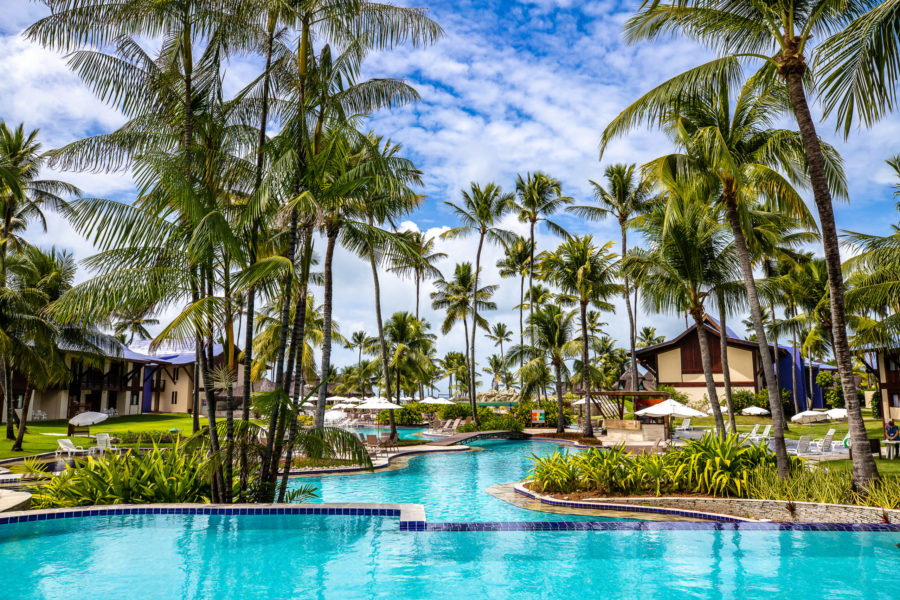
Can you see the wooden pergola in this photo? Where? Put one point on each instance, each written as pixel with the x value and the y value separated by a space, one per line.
pixel 611 403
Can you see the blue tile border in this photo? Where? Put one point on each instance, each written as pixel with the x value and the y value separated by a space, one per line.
pixel 658 526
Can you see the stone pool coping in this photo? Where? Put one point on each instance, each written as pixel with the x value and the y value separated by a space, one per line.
pixel 623 507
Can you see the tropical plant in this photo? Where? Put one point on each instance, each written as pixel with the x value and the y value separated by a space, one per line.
pixel 588 274
pixel 515 263
pixel 419 262
pixel 647 337
pixel 779 34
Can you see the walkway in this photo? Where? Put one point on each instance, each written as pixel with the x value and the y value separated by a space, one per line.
pixel 461 438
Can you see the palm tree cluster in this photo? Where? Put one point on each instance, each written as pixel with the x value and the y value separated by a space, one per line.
pixel 239 199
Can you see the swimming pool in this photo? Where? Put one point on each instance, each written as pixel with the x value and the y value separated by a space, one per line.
pixel 254 557
pixel 452 486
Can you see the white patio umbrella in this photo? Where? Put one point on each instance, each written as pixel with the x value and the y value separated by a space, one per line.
pixel 335 416
pixel 669 408
pixel 723 408
pixel 809 416
pixel 441 401
pixel 754 411
pixel 836 414
pixel 86 419
pixel 343 406
pixel 334 399
pixel 378 403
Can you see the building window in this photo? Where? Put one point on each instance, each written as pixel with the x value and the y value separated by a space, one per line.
pixel 134 399
pixel 175 376
pixel 20 400
pixel 174 397
pixel 895 400
pixel 892 362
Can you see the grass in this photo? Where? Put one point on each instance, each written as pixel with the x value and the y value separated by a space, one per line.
pixel 885 467
pixel 36 443
pixel 874 427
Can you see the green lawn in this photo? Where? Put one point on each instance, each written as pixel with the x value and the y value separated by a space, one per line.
pixel 885 467
pixel 874 427
pixel 35 443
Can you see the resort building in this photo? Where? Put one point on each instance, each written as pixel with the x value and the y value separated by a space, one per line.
pixel 677 363
pixel 889 382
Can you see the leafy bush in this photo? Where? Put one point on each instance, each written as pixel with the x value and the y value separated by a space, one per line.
pixel 876 404
pixel 741 399
pixel 492 423
pixel 832 392
pixel 712 466
pixel 454 411
pixel 675 394
pixel 831 486
pixel 160 476
pixel 410 414
pixel 522 413
pixel 149 438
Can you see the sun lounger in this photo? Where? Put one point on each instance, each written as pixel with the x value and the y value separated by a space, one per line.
pixel 685 425
pixel 69 449
pixel 802 447
pixel 763 437
pixel 823 446
pixel 104 444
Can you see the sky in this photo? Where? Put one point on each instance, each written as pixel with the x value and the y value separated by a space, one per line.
pixel 512 87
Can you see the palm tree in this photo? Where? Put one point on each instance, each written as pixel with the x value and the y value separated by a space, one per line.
pixel 453 365
pixel 734 158
pixel 624 198
pixel 537 197
pixel 409 343
pixel 856 63
pixel 554 342
pixel 500 333
pixel 480 212
pixel 588 273
pixel 515 263
pixel 689 254
pixel 456 297
pixel 359 341
pixel 23 198
pixel 497 370
pixel 134 323
pixel 419 262
pixel 647 337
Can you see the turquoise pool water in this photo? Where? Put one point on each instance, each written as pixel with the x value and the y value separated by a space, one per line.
pixel 166 557
pixel 451 485
pixel 405 433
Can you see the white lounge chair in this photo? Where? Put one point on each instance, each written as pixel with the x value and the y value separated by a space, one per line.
pixel 685 425
pixel 802 447
pixel 752 434
pixel 69 449
pixel 763 437
pixel 104 444
pixel 823 446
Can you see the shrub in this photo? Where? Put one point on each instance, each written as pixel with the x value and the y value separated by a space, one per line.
pixel 876 404
pixel 492 423
pixel 149 438
pixel 410 414
pixel 454 411
pixel 159 476
pixel 675 394
pixel 741 399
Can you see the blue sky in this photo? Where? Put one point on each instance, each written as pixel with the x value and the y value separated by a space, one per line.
pixel 513 87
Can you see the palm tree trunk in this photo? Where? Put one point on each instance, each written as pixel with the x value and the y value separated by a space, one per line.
pixel 632 334
pixel 332 232
pixel 417 295
pixel 26 406
pixel 475 326
pixel 468 384
pixel 382 343
pixel 726 370
pixel 585 373
pixel 775 406
pixel 531 288
pixel 794 362
pixel 521 322
pixel 7 398
pixel 864 469
pixel 706 359
pixel 560 417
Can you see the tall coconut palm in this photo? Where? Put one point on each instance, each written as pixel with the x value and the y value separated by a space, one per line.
pixel 647 337
pixel 480 212
pixel 23 198
pixel 456 297
pixel 134 324
pixel 729 148
pixel 689 254
pixel 515 263
pixel 588 273
pixel 860 70
pixel 359 341
pixel 499 334
pixel 419 262
pixel 538 196
pixel 453 365
pixel 409 343
pixel 554 342
pixel 625 197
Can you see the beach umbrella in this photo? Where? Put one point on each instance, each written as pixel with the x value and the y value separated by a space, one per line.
pixel 335 416
pixel 343 406
pixel 809 416
pixel 441 401
pixel 86 419
pixel 334 399
pixel 723 408
pixel 836 414
pixel 669 408
pixel 754 411
pixel 378 403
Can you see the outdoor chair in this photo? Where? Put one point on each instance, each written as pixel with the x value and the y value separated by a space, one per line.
pixel 763 437
pixel 823 446
pixel 69 449
pixel 104 444
pixel 373 444
pixel 685 425
pixel 753 434
pixel 802 447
